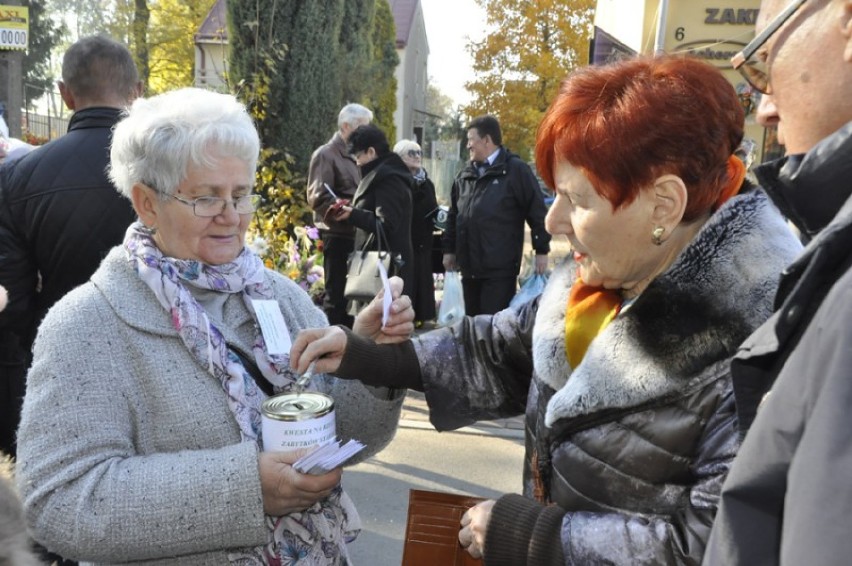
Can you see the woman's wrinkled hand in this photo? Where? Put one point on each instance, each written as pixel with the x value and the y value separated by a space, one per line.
pixel 400 323
pixel 474 524
pixel 325 345
pixel 285 490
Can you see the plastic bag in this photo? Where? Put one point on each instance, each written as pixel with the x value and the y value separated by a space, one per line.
pixel 452 303
pixel 532 288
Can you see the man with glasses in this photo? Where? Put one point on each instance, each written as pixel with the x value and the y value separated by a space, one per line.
pixel 788 497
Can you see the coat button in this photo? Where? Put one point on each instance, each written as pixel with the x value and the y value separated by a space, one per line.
pixel 792 314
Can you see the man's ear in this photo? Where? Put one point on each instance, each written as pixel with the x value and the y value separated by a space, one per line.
pixel 669 201
pixel 846 26
pixel 67 95
pixel 145 204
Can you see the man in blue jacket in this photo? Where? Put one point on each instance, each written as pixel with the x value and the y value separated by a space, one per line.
pixel 484 239
pixel 59 213
pixel 788 496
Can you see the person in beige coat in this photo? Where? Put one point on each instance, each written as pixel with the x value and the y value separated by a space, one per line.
pixel 140 438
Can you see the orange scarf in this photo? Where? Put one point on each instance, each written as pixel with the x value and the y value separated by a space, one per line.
pixel 590 310
pixel 736 174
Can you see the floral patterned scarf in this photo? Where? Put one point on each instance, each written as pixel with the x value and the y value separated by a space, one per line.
pixel 316 536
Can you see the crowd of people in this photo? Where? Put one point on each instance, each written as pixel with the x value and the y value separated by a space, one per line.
pixel 683 375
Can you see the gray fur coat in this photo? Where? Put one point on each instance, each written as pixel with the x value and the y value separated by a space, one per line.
pixel 634 443
pixel 128 451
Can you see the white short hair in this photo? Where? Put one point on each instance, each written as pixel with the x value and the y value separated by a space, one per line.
pixel 403 146
pixel 162 136
pixel 355 115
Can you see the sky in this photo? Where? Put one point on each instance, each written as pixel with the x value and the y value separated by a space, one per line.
pixel 449 24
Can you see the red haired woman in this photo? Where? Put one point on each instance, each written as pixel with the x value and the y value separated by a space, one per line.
pixel 622 364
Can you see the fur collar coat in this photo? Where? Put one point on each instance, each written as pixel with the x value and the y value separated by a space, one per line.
pixel 633 444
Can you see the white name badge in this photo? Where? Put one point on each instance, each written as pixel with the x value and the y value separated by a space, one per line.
pixel 272 326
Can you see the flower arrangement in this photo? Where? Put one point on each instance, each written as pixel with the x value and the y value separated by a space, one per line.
pixel 298 257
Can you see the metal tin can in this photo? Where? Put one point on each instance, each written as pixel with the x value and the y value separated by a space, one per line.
pixel 291 421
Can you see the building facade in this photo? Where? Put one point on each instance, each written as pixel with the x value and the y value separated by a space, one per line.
pixel 713 30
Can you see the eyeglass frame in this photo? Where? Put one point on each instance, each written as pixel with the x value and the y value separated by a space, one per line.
pixel 254 198
pixel 414 153
pixel 740 59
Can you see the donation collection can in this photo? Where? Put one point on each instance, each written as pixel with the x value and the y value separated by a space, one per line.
pixel 297 420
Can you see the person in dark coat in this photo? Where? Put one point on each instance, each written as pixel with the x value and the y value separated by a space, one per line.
pixel 333 174
pixel 383 196
pixel 622 364
pixel 423 211
pixel 59 213
pixel 490 200
pixel 788 498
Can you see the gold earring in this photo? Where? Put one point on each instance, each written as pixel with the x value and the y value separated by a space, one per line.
pixel 657 235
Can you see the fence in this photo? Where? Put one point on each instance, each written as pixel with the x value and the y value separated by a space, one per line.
pixel 442 172
pixel 44 126
pixel 49 121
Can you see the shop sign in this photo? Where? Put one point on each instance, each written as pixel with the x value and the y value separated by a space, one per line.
pixel 14 27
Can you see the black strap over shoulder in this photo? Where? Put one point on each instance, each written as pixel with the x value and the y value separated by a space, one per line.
pixel 254 371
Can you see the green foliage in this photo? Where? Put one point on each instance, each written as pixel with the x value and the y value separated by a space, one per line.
pixel 356 49
pixel 174 24
pixel 305 87
pixel 283 207
pixel 439 122
pixel 531 47
pixel 160 34
pixel 276 232
pixel 44 35
pixel 380 95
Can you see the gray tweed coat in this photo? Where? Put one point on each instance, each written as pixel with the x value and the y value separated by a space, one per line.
pixel 127 449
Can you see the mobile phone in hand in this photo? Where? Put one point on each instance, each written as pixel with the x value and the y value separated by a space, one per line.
pixel 335 208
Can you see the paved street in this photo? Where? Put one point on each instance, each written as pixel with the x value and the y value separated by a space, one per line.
pixel 484 460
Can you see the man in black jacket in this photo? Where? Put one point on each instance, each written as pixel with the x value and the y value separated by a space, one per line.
pixel 59 213
pixel 491 199
pixel 788 497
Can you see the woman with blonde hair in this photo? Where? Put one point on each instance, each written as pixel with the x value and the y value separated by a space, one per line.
pixel 423 210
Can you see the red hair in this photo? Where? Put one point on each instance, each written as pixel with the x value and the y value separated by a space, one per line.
pixel 627 123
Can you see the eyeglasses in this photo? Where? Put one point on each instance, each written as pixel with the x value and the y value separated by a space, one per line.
pixel 207 207
pixel 414 153
pixel 756 72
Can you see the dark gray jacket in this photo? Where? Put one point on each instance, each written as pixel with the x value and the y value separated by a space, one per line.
pixel 632 445
pixel 485 227
pixel 788 499
pixel 59 216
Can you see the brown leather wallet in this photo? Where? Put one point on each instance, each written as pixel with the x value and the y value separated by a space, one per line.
pixel 432 529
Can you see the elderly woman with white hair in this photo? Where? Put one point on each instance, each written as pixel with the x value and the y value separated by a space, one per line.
pixel 423 210
pixel 140 438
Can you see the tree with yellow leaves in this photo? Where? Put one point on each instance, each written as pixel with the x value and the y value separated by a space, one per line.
pixel 531 45
pixel 171 42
